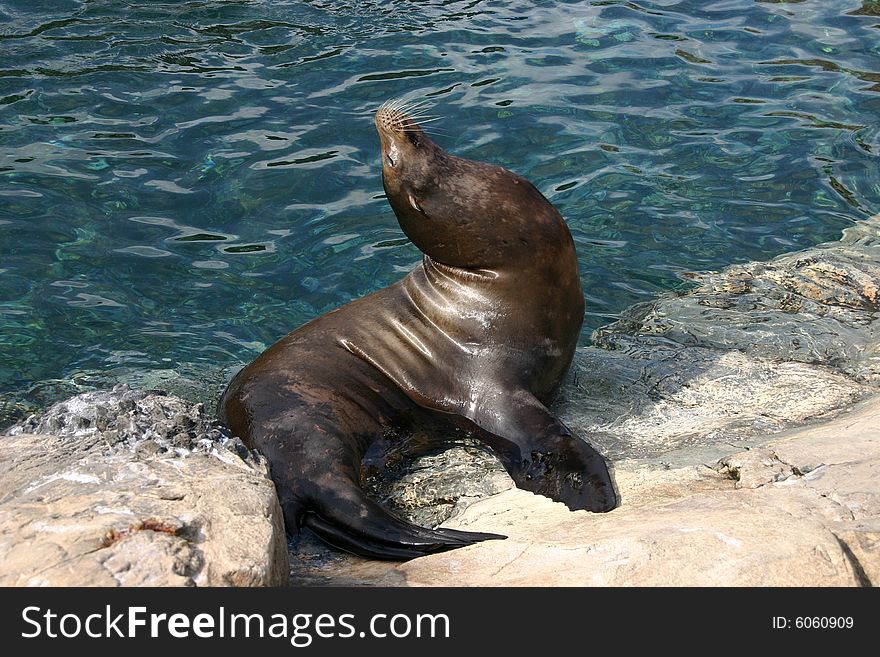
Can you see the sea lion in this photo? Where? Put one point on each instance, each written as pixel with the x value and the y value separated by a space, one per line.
pixel 478 336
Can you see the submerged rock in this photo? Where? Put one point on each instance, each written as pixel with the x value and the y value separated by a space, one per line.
pixel 130 488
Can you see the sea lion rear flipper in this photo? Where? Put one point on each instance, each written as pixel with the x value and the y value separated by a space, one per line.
pixel 543 455
pixel 352 521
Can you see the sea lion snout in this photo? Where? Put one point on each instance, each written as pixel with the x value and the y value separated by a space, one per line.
pixel 402 139
pixel 396 116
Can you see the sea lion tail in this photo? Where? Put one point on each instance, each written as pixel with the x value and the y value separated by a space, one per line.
pixel 353 522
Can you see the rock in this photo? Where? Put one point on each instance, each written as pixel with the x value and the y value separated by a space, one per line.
pixel 427 488
pixel 648 400
pixel 816 306
pixel 102 498
pixel 753 350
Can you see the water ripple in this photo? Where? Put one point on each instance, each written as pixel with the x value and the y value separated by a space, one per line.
pixel 182 183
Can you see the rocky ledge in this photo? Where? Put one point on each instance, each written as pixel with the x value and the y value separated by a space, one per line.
pixel 742 419
pixel 129 488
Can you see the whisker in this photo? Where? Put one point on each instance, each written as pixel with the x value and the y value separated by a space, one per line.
pixel 408 114
pixel 388 105
pixel 414 102
pixel 419 121
pixel 405 105
pixel 415 106
pixel 412 105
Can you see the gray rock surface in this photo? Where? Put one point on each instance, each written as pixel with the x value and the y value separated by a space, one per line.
pixel 131 488
pixel 429 487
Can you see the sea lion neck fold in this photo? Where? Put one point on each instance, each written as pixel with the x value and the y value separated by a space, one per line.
pixel 465 213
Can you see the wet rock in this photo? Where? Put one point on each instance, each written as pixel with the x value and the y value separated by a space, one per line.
pixel 124 505
pixel 651 397
pixel 816 306
pixel 429 488
pixel 751 351
pixel 124 419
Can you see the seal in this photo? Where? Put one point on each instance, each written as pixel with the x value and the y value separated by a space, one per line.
pixel 477 337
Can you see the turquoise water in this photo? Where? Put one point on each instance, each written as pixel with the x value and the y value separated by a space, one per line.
pixel 182 183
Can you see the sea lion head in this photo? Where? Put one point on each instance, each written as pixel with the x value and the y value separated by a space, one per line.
pixel 461 212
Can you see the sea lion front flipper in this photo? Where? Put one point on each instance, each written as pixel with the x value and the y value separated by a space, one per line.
pixel 352 521
pixel 543 455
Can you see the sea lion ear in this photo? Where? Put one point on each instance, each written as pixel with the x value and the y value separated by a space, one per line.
pixel 413 202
